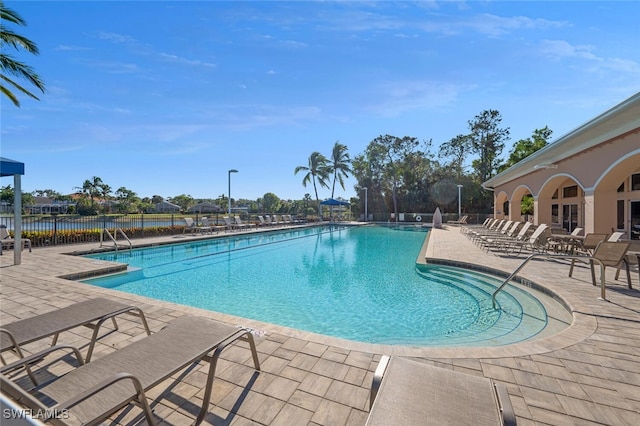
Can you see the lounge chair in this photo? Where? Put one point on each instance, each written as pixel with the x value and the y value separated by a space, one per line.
pixel 229 224
pixel 92 392
pixel 616 236
pixel 501 228
pixel 506 233
pixel 207 224
pixel 190 225
pixel 274 220
pixel 242 225
pixel 461 221
pixel 408 392
pixel 486 224
pixel 500 241
pixel 537 241
pixel 90 313
pixel 6 241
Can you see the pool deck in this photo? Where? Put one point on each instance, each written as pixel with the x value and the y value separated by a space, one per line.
pixel 588 374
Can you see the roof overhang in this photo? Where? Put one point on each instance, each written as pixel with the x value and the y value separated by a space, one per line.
pixel 619 120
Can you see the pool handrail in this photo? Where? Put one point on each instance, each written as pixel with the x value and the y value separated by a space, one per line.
pixel 553 256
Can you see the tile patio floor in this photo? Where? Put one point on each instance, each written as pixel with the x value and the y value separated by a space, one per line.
pixel 589 374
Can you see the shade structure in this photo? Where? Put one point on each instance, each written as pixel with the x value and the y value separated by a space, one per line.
pixel 333 202
pixel 16 169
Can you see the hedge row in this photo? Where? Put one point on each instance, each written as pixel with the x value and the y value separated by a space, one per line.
pixel 47 238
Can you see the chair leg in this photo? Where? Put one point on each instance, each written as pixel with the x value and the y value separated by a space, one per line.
pixel 593 272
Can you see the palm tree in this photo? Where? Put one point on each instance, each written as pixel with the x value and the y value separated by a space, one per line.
pixel 317 172
pixel 8 64
pixel 339 165
pixel 93 188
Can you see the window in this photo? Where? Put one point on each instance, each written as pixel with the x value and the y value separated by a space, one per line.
pixel 635 182
pixel 620 220
pixel 571 191
pixel 505 208
pixel 555 195
pixel 554 213
pixel 621 187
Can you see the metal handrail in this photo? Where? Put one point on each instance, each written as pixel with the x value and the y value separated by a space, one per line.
pixel 114 236
pixel 553 256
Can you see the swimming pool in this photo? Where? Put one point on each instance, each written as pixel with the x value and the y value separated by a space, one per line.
pixel 359 283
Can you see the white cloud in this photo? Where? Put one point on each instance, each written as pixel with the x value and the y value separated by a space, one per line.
pixel 193 62
pixel 561 49
pixel 115 37
pixel 396 98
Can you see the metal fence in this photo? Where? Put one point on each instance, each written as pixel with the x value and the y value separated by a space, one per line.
pixel 56 229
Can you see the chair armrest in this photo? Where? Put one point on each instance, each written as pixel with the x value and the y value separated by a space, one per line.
pixel 140 396
pixel 377 378
pixel 25 361
pixel 506 409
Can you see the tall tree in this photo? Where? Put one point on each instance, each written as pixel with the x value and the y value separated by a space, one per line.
pixel 525 147
pixel 339 166
pixel 487 140
pixel 317 172
pixel 384 160
pixel 10 66
pixel 457 149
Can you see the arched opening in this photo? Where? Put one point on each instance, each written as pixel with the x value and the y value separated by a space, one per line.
pixel 561 203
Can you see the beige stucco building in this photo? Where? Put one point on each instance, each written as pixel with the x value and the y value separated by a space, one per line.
pixel 588 178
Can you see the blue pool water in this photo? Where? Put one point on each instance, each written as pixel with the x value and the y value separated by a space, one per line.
pixel 357 283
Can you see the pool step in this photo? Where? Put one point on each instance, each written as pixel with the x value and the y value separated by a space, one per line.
pixel 519 315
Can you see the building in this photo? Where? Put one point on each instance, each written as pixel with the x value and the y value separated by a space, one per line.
pixel 588 178
pixel 167 207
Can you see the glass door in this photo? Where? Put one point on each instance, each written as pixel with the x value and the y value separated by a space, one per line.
pixel 569 217
pixel 635 220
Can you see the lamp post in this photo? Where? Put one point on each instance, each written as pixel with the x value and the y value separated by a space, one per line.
pixel 366 213
pixel 229 180
pixel 459 202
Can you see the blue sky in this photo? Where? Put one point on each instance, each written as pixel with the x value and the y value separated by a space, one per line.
pixel 164 97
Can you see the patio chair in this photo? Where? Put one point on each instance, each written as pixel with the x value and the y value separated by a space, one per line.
pixel 408 392
pixel 6 241
pixel 586 246
pixel 610 254
pixel 632 257
pixel 91 313
pixel 92 392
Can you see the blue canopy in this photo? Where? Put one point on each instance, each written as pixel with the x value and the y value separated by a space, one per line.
pixel 10 167
pixel 333 202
